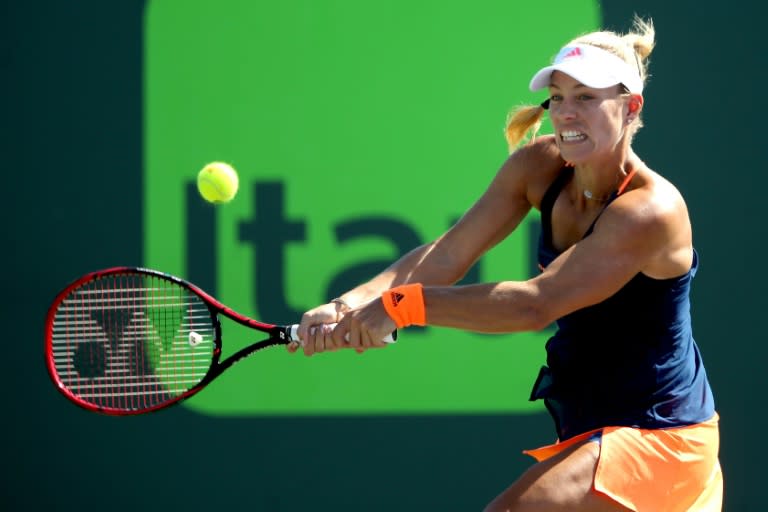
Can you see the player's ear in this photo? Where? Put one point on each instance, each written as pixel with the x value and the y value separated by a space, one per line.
pixel 634 106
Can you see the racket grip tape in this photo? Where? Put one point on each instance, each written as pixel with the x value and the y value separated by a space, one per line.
pixel 293 333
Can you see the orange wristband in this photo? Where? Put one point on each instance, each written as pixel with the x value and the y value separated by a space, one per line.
pixel 405 305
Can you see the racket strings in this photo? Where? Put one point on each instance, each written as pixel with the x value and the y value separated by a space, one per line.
pixel 131 342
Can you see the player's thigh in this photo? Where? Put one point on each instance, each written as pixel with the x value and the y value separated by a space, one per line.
pixel 560 483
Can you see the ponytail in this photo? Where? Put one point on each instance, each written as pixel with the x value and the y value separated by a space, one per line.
pixel 522 120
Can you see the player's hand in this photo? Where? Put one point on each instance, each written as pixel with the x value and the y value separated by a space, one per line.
pixel 314 331
pixel 364 327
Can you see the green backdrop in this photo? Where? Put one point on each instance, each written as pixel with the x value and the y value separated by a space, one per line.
pixel 84 146
pixel 359 131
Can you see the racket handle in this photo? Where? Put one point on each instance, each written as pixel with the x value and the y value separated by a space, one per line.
pixel 294 334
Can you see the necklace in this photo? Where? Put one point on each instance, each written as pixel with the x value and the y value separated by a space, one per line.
pixel 589 195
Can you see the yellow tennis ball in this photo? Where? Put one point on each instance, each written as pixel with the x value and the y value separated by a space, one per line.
pixel 217 182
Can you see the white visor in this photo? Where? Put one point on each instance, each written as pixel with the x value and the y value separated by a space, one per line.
pixel 593 67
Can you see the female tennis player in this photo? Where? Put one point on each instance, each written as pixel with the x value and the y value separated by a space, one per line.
pixel 624 382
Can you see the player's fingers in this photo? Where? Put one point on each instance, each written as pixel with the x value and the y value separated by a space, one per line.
pixel 354 336
pixel 320 336
pixel 377 340
pixel 365 338
pixel 308 342
pixel 301 332
pixel 319 344
pixel 340 334
pixel 329 344
pixel 293 346
pixel 378 343
pixel 304 326
pixel 319 315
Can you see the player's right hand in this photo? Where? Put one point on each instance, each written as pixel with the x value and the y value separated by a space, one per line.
pixel 314 330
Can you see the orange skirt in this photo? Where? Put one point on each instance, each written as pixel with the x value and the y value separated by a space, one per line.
pixel 673 469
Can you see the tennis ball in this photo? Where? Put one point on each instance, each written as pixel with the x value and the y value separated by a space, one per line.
pixel 217 182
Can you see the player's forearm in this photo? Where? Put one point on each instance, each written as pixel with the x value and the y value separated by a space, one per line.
pixel 493 307
pixel 423 264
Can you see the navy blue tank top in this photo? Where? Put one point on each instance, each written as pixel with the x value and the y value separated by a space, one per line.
pixel 630 360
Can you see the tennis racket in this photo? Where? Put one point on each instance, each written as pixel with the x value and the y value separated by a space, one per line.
pixel 130 340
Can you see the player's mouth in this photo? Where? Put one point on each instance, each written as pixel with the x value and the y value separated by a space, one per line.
pixel 572 136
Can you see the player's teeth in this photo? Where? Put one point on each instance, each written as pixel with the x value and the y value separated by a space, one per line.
pixel 572 135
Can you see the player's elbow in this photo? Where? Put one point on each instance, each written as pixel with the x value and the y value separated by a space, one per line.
pixel 539 311
pixel 522 307
pixel 537 318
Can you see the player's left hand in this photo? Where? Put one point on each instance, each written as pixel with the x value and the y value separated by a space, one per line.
pixel 364 327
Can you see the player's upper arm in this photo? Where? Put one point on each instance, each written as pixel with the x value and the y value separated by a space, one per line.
pixel 517 186
pixel 629 236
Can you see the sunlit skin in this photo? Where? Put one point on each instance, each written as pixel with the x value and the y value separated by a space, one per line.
pixel 592 130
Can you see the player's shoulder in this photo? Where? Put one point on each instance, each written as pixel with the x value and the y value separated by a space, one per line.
pixel 538 160
pixel 652 202
pixel 536 165
pixel 542 152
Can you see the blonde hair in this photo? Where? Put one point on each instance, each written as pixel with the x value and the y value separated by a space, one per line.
pixel 634 48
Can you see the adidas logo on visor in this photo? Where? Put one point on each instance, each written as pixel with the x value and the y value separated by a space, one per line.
pixel 569 52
